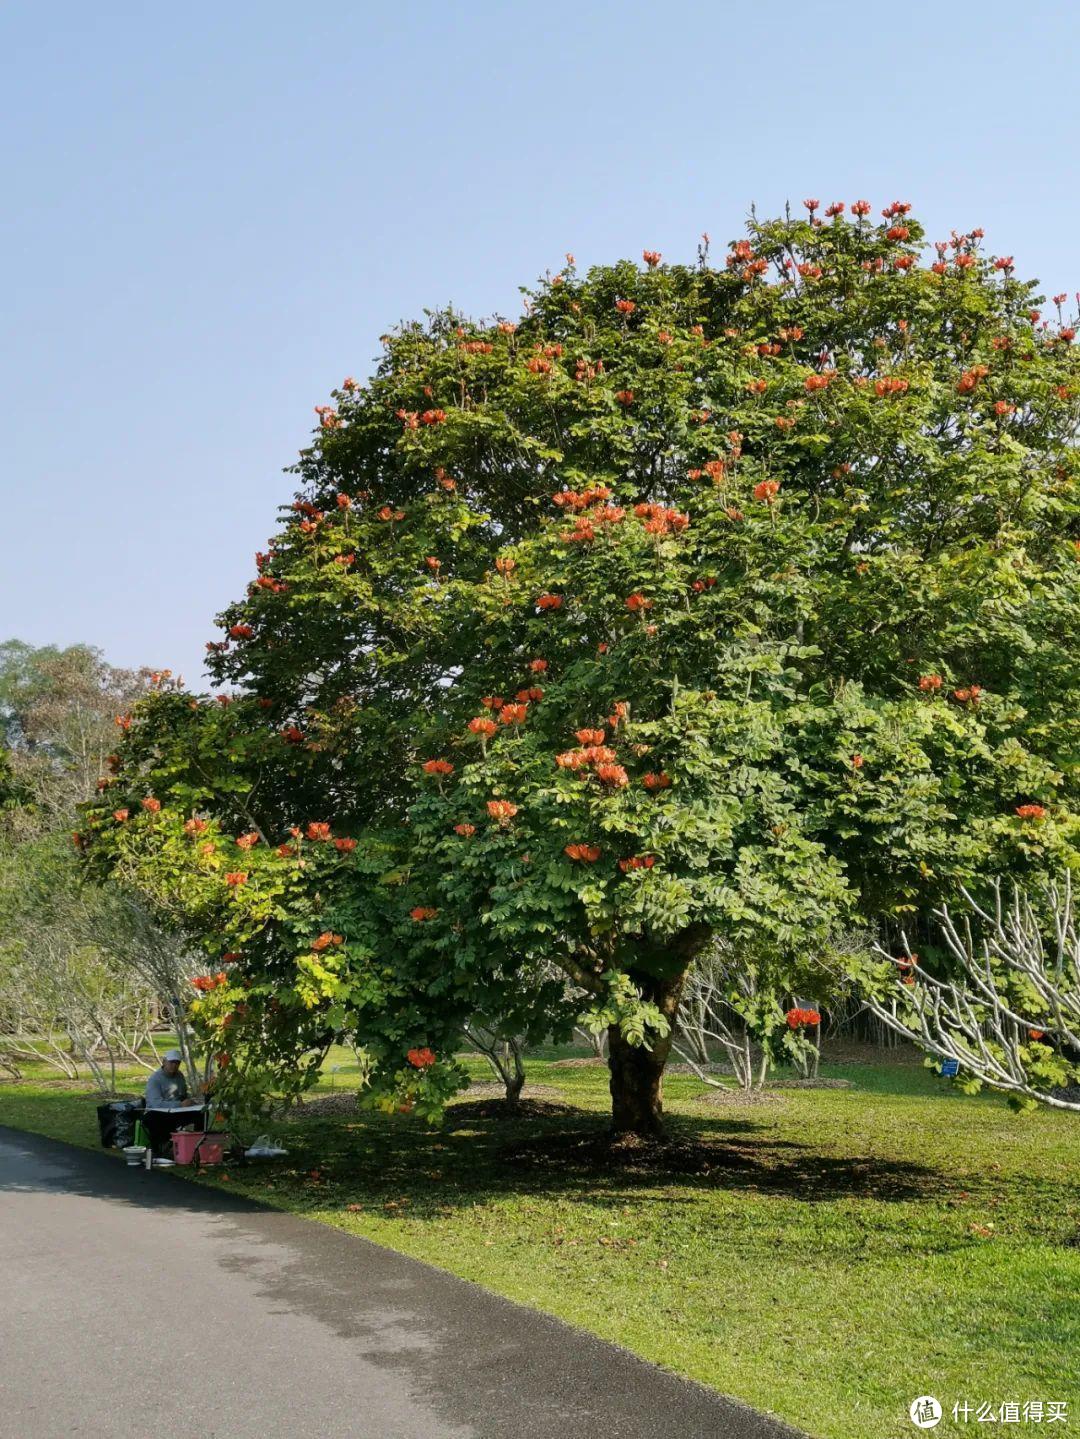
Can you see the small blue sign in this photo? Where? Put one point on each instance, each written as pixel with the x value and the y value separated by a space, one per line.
pixel 950 1068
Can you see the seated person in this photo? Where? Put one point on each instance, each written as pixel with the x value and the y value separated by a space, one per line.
pixel 167 1088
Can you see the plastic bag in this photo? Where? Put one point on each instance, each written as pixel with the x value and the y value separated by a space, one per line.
pixel 265 1148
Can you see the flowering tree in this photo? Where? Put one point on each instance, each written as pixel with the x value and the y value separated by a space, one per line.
pixel 727 599
pixel 736 1003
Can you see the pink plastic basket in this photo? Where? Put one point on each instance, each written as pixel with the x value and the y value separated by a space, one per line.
pixel 211 1148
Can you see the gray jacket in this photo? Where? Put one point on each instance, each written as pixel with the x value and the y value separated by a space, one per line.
pixel 165 1091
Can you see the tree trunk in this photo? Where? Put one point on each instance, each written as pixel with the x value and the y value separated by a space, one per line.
pixel 637 1096
pixel 513 1077
pixel 637 1105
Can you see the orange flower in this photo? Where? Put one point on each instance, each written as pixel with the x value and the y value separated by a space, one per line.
pixel 654 782
pixel 421 1058
pixel 513 714
pixel 325 940
pixel 800 1018
pixel 612 774
pixel 571 759
pixel 930 683
pixel 465 830
pixel 318 830
pixel 637 861
pixel 538 666
pixel 890 386
pixel 432 563
pixel 856 761
pixel 493 702
pixel 1036 1034
pixel 241 632
pixel 120 815
pixel 236 878
pixel 482 725
pixel 505 565
pixel 1031 811
pixel 590 736
pixel 247 841
pixel 549 602
pixel 970 378
pixel 582 853
pixel 625 397
pixel 766 490
pixel 422 912
pixel 636 602
pixel 625 307
pixel 437 766
pixel 651 258
pixel 345 846
pixel 151 804
pixel 501 809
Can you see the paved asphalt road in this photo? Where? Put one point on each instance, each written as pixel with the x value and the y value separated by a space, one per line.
pixel 137 1305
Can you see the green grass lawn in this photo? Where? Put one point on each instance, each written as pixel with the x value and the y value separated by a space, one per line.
pixel 826 1255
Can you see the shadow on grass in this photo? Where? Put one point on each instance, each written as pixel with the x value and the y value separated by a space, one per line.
pixel 482 1152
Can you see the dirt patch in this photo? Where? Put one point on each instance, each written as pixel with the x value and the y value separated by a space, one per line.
pixel 709 1068
pixel 329 1106
pixel 591 1063
pixel 735 1098
pixel 491 1089
pixel 464 1111
pixel 810 1084
pixel 84 1085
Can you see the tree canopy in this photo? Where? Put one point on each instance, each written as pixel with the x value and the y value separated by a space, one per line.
pixel 729 598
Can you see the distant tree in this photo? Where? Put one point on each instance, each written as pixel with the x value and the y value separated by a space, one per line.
pixel 58 711
pixel 84 972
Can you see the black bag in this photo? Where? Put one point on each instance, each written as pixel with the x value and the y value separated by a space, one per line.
pixel 116 1122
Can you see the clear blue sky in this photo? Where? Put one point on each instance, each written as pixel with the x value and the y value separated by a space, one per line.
pixel 213 210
